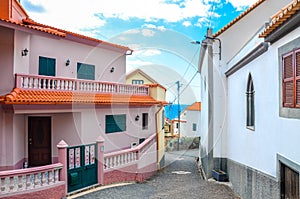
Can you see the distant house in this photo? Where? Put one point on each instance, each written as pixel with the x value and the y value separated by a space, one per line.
pixel 57 85
pixel 192 117
pixel 138 77
pixel 252 100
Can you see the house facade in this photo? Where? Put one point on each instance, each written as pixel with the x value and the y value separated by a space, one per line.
pixel 192 117
pixel 138 77
pixel 252 113
pixel 58 85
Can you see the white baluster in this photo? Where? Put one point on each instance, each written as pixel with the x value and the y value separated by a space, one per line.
pixel 2 185
pixel 20 183
pixel 25 84
pixel 56 175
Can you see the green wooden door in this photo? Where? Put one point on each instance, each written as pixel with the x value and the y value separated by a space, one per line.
pixel 82 167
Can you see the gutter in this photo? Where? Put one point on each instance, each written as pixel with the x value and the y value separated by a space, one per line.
pixel 157 131
pixel 256 52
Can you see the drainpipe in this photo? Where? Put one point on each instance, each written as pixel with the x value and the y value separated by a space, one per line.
pixel 157 130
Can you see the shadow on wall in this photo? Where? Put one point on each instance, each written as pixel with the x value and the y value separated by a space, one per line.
pixel 185 143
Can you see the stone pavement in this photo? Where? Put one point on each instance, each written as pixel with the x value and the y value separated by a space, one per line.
pixel 179 179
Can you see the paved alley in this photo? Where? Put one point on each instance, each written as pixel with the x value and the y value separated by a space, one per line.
pixel 180 179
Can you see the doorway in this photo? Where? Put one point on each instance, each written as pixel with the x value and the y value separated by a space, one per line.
pixel 289 186
pixel 39 141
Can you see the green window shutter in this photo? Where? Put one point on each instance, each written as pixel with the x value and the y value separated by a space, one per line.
pixel 115 123
pixel 47 66
pixel 85 71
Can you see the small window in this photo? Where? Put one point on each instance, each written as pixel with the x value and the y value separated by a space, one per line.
pixel 194 127
pixel 177 125
pixel 115 123
pixel 145 121
pixel 85 71
pixel 46 66
pixel 250 103
pixel 137 81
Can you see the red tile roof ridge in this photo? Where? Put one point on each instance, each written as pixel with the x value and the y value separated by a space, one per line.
pixel 196 106
pixel 155 85
pixel 231 23
pixel 33 27
pixel 280 17
pixel 29 21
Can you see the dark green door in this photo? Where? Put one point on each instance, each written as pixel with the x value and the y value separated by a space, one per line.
pixel 82 167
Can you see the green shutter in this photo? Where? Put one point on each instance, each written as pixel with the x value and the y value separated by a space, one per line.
pixel 46 66
pixel 115 123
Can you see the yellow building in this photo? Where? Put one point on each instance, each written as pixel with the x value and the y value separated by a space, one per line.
pixel 158 92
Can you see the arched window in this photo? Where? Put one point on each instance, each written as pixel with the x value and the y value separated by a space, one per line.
pixel 250 103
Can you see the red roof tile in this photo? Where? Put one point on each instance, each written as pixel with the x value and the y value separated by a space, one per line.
pixel 194 107
pixel 280 17
pixel 18 96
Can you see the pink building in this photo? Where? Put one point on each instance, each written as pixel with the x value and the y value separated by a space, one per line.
pixel 57 85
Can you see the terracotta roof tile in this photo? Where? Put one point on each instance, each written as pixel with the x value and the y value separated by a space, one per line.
pixel 280 17
pixel 53 32
pixel 238 18
pixel 194 107
pixel 18 96
pixel 32 23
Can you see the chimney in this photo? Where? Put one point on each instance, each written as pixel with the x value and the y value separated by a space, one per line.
pixel 12 10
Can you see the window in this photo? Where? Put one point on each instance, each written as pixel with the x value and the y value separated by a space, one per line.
pixel 145 121
pixel 46 66
pixel 291 79
pixel 115 123
pixel 194 127
pixel 137 81
pixel 250 103
pixel 85 71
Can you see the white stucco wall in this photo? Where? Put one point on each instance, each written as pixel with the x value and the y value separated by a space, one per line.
pixel 273 134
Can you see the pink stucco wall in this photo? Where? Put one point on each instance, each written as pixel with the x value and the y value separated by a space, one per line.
pixel 56 191
pixel 6 57
pixel 61 50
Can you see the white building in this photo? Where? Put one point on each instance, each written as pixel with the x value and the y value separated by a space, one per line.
pixel 253 112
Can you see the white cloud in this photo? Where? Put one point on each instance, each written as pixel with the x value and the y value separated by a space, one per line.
pixel 148 32
pixel 241 4
pixel 186 23
pixel 72 15
pixel 151 52
pixel 153 26
pixel 76 14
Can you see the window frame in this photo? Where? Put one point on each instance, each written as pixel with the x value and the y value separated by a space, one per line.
pixel 194 126
pixel 291 99
pixel 145 121
pixel 137 81
pixel 85 75
pixel 250 104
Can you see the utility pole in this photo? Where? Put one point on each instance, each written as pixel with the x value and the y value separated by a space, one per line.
pixel 178 104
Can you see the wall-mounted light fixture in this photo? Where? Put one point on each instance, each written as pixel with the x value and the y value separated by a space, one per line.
pixel 137 117
pixel 68 62
pixel 112 69
pixel 25 52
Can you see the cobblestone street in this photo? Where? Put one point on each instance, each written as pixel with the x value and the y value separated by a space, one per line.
pixel 179 179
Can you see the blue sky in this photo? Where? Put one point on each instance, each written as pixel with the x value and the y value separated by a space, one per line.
pixel 159 31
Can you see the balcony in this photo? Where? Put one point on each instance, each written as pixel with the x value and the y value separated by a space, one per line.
pixel 50 83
